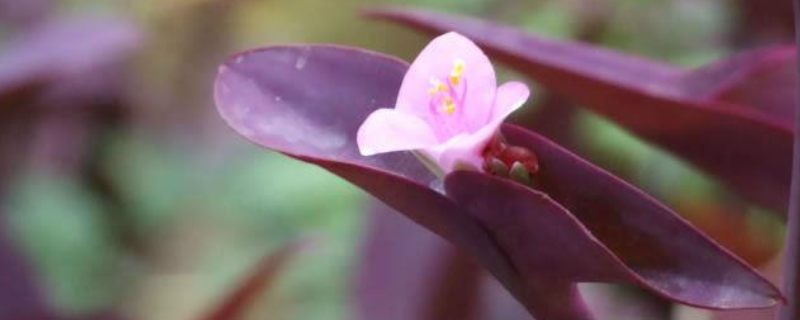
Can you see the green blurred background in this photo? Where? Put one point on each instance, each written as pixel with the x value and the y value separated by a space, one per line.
pixel 198 205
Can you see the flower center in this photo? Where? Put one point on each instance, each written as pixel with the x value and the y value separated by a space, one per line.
pixel 448 96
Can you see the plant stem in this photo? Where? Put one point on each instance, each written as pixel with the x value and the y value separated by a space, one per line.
pixel 430 164
pixel 791 266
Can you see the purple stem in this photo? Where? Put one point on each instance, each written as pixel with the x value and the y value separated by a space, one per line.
pixel 791 267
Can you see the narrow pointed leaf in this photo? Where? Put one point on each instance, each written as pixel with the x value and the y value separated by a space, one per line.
pixel 243 296
pixel 749 150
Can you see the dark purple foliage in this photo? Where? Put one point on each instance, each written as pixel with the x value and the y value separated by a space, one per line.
pixel 584 224
pixel 407 272
pixel 728 118
pixel 759 80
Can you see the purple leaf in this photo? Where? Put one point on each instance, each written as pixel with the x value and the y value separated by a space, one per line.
pixel 603 229
pixel 408 273
pixel 747 148
pixel 62 50
pixel 761 80
pixel 308 101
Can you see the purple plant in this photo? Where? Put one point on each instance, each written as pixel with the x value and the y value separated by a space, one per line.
pixel 579 224
pixel 479 219
pixel 407 272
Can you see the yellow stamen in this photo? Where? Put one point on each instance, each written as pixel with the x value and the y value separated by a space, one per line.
pixel 449 106
pixel 458 71
pixel 438 86
pixel 454 79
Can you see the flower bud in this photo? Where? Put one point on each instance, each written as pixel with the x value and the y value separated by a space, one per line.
pixel 525 157
pixel 496 167
pixel 514 162
pixel 520 173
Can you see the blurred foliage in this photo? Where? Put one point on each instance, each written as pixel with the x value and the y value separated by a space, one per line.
pixel 250 203
pixel 61 223
pixel 198 206
pixel 684 32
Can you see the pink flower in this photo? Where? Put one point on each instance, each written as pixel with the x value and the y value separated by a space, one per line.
pixel 448 109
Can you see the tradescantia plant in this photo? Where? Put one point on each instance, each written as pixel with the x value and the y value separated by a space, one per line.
pixel 554 221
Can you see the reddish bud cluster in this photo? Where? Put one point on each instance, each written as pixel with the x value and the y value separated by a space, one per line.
pixel 510 161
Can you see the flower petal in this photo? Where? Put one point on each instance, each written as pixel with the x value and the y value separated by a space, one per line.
pixel 510 97
pixel 387 130
pixel 436 62
pixel 468 149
